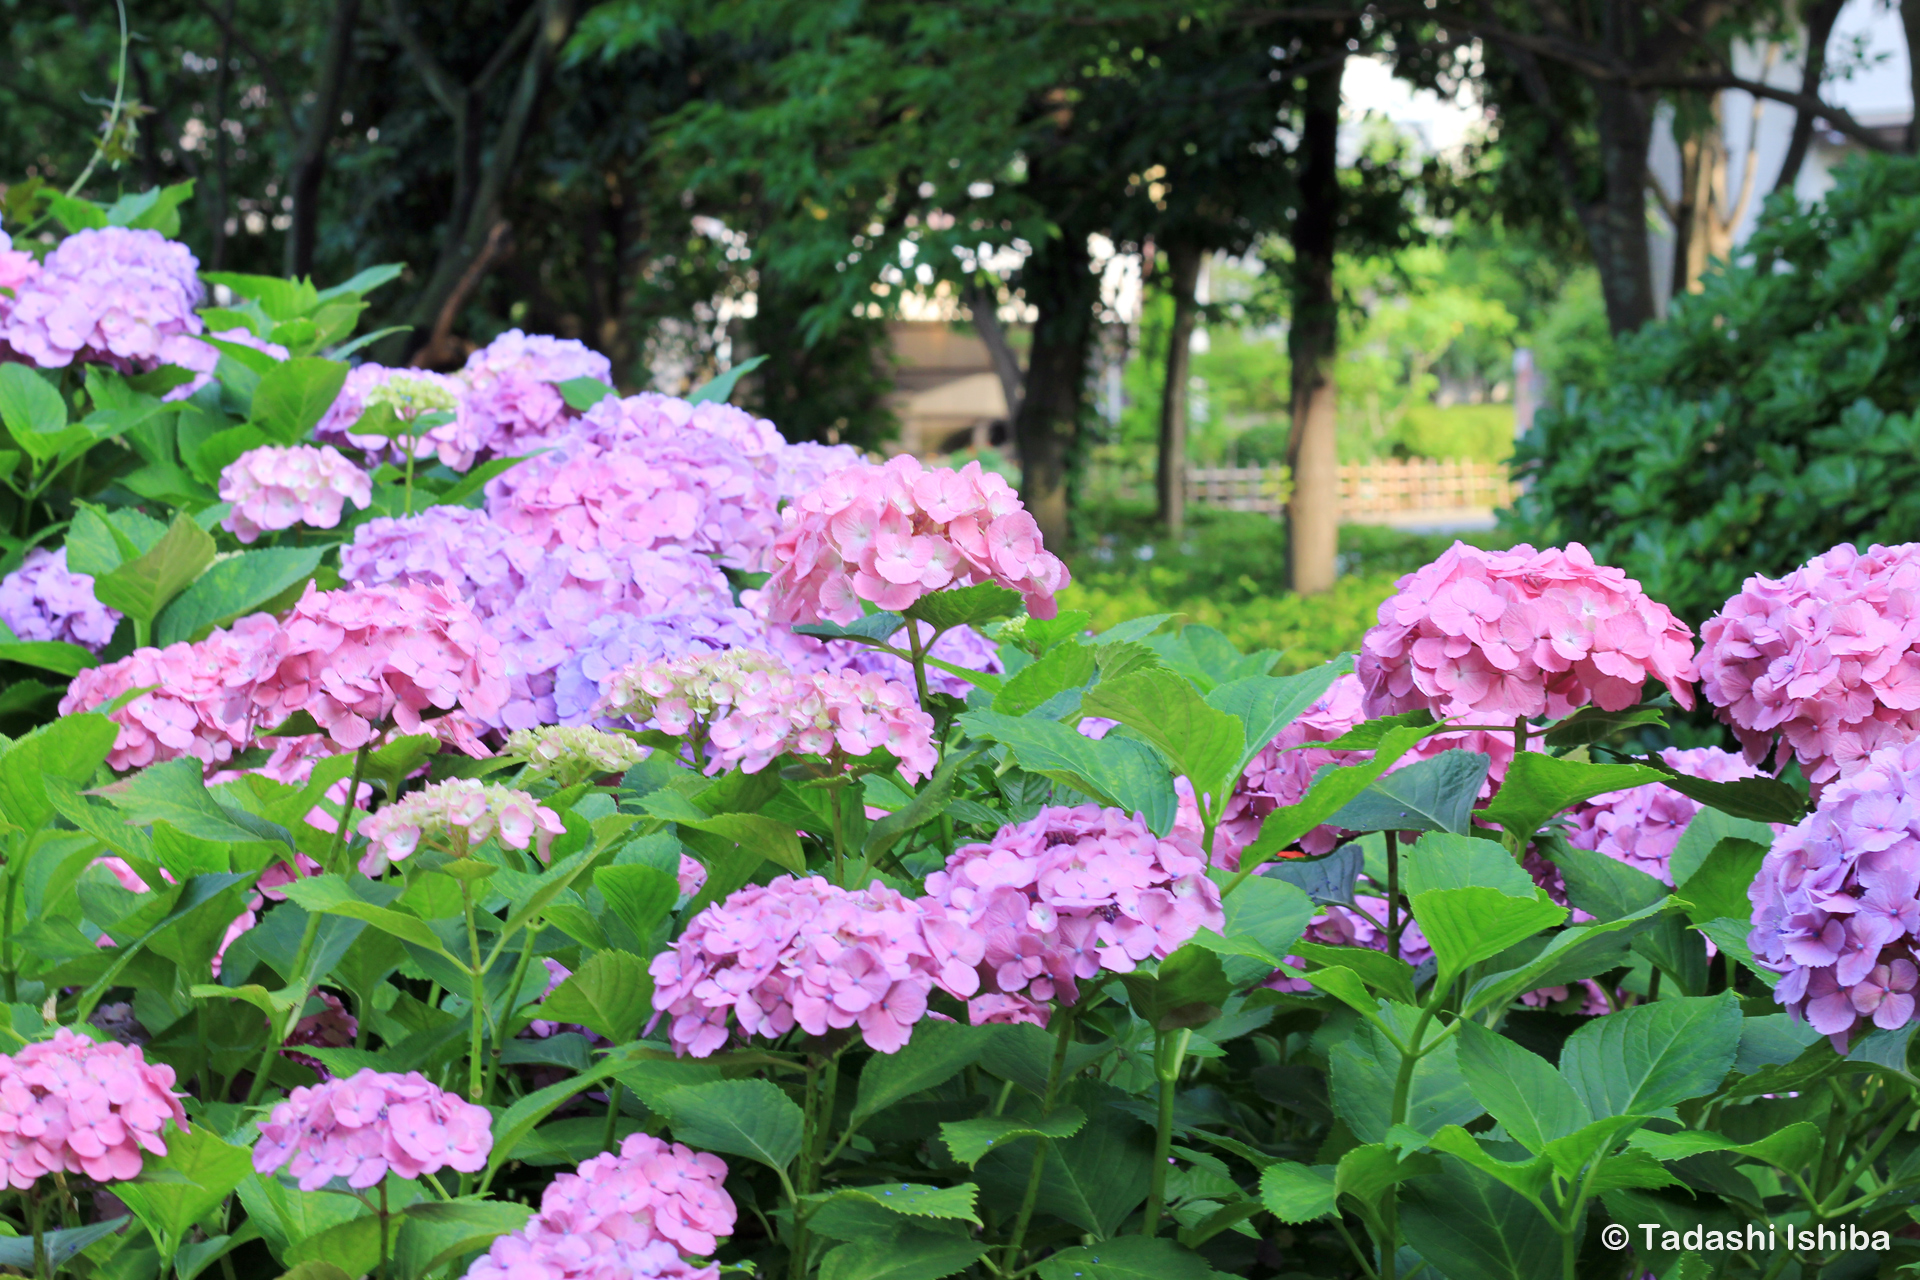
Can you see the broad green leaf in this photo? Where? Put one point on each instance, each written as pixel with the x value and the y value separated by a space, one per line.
pixel 140 588
pixel 71 748
pixel 362 282
pixel 641 896
pixel 1708 828
pixel 1429 795
pixel 1729 934
pixel 1518 1088
pixel 1468 1223
pixel 1790 1148
pixel 512 1126
pixel 872 627
pixel 1881 1047
pixel 61 1246
pixel 1117 771
pixel 1206 656
pixel 98 540
pixel 1331 789
pixel 353 1245
pixel 285 1214
pixel 1537 786
pixel 1392 978
pixel 846 1213
pixel 1264 918
pixel 1128 1258
pixel 1186 991
pixel 612 993
pixel 76 214
pixel 1267 704
pixel 155 209
pixel 232 587
pixel 1605 888
pixel 928 802
pixel 331 895
pixel 48 655
pixel 970 1141
pixel 937 1053
pixel 749 1118
pixel 584 393
pixel 908 1253
pixel 1719 887
pixel 1466 926
pixel 973 606
pixel 1296 1193
pixel 1591 1142
pixel 1577 952
pixel 719 389
pixel 173 792
pixel 767 837
pixel 1757 800
pixel 1441 860
pixel 30 406
pixel 1592 724
pixel 1643 1060
pixel 1368 735
pixel 1528 1177
pixel 1165 709
pixel 1771 1040
pixel 295 394
pixel 435 1234
pixel 1095 1179
pixel 178 1189
pixel 1370 1173
pixel 1064 667
pixel 1366 1066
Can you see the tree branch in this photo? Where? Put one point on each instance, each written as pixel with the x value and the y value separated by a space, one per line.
pixel 268 77
pixel 447 91
pixel 1819 30
pixel 1838 117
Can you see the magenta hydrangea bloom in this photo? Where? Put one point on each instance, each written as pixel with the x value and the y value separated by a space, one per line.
pixel 44 600
pixel 278 486
pixel 624 479
pixel 70 1105
pixel 538 1252
pixel 109 295
pixel 201 699
pixel 805 953
pixel 511 395
pixel 1641 826
pixel 201 358
pixel 1834 906
pixel 1497 635
pixel 888 534
pixel 1067 894
pixel 456 817
pixel 371 1124
pixel 454 443
pixel 1824 663
pixel 651 1188
pixel 359 657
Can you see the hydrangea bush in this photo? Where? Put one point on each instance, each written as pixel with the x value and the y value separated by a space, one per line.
pixel 475 823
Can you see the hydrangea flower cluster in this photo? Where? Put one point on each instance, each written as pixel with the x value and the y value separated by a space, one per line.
pixel 584 680
pixel 1824 662
pixel 44 600
pixel 1640 826
pixel 1066 894
pixel 358 657
pixel 652 1188
pixel 806 953
pixel 70 1105
pixel 819 714
pixel 569 754
pixel 370 1124
pixel 888 534
pixel 1498 635
pixel 1835 910
pixel 17 267
pixel 511 396
pixel 456 817
pixel 276 487
pixel 539 1252
pixel 201 699
pixel 110 295
pixel 689 693
pixel 410 393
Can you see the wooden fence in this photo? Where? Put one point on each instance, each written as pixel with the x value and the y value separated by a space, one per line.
pixel 1366 488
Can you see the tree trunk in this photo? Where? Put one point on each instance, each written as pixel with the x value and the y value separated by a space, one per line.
pixel 1313 510
pixel 310 161
pixel 1059 281
pixel 1183 273
pixel 1819 16
pixel 984 308
pixel 1616 225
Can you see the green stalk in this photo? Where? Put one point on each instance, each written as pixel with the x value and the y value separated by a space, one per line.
pixel 608 1134
pixel 1393 893
pixel 919 660
pixel 839 838
pixel 1041 1145
pixel 341 835
pixel 476 1085
pixel 277 1037
pixel 382 1273
pixel 519 978
pixel 16 865
pixel 1169 1052
pixel 797 1251
pixel 41 1268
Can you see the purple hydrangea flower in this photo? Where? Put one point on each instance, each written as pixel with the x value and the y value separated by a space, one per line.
pixel 109 295
pixel 43 600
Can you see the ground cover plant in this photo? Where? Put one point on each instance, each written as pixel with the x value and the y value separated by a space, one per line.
pixel 478 824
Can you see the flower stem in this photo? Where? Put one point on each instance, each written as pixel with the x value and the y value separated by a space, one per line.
pixel 1393 893
pixel 839 837
pixel 919 652
pixel 1041 1144
pixel 612 1130
pixel 476 1083
pixel 1168 1054
pixel 341 836
pixel 277 1036
pixel 382 1273
pixel 42 1268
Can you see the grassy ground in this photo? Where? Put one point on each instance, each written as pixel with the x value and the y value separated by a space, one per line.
pixel 1229 572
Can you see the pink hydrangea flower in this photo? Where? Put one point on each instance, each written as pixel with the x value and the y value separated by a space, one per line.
pixel 371 1124
pixel 1834 906
pixel 17 268
pixel 364 656
pixel 110 295
pixel 69 1105
pixel 460 550
pixel 413 392
pixel 1641 826
pixel 651 1188
pixel 1824 663
pixel 456 817
pixel 511 394
pixel 538 1252
pixel 888 534
pixel 277 487
pixel 806 953
pixel 201 704
pixel 1067 894
pixel 44 600
pixel 1497 635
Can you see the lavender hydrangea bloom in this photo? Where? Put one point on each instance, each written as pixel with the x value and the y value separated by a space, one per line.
pixel 618 641
pixel 962 646
pixel 43 600
pixel 455 443
pixel 1835 910
pixel 512 398
pixel 17 267
pixel 110 295
pixel 457 548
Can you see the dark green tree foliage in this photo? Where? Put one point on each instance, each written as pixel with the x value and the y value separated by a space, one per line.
pixel 1768 418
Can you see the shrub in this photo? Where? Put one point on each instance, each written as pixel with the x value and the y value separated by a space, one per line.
pixel 1769 416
